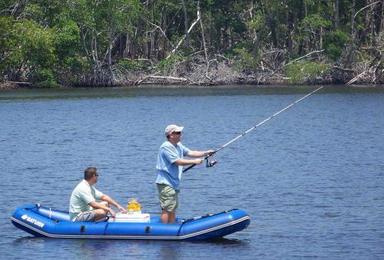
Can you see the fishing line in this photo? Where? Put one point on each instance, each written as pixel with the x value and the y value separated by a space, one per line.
pixel 212 163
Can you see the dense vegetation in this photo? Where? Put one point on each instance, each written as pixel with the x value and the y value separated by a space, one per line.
pixel 110 42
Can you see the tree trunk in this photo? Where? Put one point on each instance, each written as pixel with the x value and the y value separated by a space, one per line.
pixel 337 15
pixel 368 25
pixel 110 54
pixel 185 23
pixel 254 32
pixel 152 52
pixel 204 44
pixel 353 20
pixel 290 21
pixel 230 37
pixel 127 49
pixel 373 14
pixel 272 26
pixel 381 17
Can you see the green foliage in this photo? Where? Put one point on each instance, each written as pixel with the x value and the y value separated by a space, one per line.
pixel 46 12
pixel 166 65
pixel 67 39
pixel 134 65
pixel 311 30
pixel 246 60
pixel 26 48
pixel 315 21
pixel 257 22
pixel 5 4
pixel 64 40
pixel 334 44
pixel 8 40
pixel 45 78
pixel 305 71
pixel 36 46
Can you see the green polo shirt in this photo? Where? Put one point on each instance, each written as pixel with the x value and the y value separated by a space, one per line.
pixel 81 196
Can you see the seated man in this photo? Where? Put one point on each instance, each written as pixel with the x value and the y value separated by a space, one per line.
pixel 89 204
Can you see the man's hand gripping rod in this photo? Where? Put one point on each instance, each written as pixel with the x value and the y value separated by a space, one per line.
pixel 210 164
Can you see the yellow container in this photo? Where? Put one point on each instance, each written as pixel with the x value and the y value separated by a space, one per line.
pixel 133 206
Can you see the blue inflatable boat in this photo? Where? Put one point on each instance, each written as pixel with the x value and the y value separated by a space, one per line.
pixel 46 222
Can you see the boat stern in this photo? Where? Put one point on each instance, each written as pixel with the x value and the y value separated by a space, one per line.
pixel 213 226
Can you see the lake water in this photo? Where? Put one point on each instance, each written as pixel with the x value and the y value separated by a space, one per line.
pixel 312 179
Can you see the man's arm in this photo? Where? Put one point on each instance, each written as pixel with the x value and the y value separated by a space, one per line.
pixel 194 154
pixel 112 202
pixel 184 162
pixel 200 153
pixel 97 205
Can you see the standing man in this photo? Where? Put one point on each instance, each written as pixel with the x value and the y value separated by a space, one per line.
pixel 89 204
pixel 170 162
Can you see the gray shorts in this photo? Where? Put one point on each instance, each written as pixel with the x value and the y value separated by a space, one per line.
pixel 168 197
pixel 85 216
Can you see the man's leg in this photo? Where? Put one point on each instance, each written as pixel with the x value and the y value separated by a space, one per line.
pixel 168 217
pixel 164 217
pixel 172 217
pixel 100 214
pixel 92 215
pixel 168 202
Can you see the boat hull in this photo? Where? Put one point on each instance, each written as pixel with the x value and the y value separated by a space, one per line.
pixel 46 222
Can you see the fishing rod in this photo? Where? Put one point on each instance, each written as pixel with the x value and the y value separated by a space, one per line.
pixel 212 163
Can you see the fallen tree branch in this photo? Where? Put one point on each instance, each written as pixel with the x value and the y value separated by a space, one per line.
pixel 302 57
pixel 195 53
pixel 343 69
pixel 170 78
pixel 356 78
pixel 270 67
pixel 222 56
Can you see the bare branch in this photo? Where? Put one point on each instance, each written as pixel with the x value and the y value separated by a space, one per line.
pixel 185 35
pixel 302 57
pixel 161 30
pixel 168 78
pixel 365 7
pixel 356 78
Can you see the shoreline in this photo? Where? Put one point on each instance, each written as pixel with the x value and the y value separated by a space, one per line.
pixel 11 85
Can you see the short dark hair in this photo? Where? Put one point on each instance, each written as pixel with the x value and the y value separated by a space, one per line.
pixel 89 173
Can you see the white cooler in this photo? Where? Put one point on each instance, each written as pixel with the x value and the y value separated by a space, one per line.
pixel 136 217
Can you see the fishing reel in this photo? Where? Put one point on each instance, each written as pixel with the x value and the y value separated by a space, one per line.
pixel 209 163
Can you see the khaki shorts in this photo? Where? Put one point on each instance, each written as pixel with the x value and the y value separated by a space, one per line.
pixel 85 216
pixel 168 197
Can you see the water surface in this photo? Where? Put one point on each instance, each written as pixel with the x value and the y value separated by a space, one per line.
pixel 311 179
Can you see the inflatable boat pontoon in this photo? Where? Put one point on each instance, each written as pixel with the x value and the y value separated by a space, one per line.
pixel 46 222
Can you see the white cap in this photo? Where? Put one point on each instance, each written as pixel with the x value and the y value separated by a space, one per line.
pixel 173 128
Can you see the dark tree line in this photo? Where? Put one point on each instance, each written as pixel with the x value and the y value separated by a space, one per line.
pixel 108 42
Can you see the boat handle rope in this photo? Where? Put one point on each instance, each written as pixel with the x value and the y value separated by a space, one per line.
pixel 212 163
